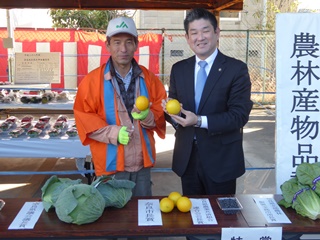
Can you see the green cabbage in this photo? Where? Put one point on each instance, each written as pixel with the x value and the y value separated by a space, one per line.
pixel 300 197
pixel 116 192
pixel 309 174
pixel 80 204
pixel 52 189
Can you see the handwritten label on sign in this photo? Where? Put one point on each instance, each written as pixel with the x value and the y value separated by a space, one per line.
pixel 149 213
pixel 271 210
pixel 201 212
pixel 27 216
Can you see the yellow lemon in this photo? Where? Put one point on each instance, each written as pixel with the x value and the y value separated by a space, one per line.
pixel 184 204
pixel 142 103
pixel 173 106
pixel 174 196
pixel 166 205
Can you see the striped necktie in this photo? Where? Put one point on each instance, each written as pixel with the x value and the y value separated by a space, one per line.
pixel 201 80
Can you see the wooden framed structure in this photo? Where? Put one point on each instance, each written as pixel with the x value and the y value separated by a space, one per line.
pixel 212 5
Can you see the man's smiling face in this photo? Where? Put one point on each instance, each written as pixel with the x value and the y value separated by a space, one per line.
pixel 202 38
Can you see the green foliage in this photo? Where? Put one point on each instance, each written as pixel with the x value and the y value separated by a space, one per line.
pixel 116 193
pixel 95 19
pixel 308 174
pixel 79 204
pixel 300 197
pixel 52 189
pixel 302 192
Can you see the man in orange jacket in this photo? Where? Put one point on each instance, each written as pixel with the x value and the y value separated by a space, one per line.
pixel 120 136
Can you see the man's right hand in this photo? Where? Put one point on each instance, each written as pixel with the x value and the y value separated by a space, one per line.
pixel 123 136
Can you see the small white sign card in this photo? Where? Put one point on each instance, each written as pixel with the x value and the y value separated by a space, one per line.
pixel 149 213
pixel 27 216
pixel 201 212
pixel 274 233
pixel 271 210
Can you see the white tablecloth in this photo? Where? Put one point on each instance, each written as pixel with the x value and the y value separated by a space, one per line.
pixel 42 146
pixel 48 106
pixel 25 86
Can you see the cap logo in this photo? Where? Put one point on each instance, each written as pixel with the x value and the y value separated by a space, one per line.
pixel 122 25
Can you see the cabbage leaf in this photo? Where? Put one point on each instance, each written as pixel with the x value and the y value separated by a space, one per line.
pixel 52 189
pixel 116 192
pixel 300 197
pixel 309 174
pixel 80 204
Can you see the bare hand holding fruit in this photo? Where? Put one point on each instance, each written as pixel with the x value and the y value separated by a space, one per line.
pixel 173 106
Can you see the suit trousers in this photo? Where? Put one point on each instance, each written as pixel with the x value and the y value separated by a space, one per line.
pixel 196 182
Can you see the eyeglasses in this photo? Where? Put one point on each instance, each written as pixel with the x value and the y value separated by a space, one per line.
pixel 2 203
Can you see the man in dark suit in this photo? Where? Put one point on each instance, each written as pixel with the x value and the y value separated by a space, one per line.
pixel 208 152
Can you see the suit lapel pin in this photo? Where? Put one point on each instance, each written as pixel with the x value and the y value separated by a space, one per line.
pixel 219 69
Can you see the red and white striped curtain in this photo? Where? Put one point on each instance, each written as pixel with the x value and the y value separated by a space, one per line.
pixel 80 51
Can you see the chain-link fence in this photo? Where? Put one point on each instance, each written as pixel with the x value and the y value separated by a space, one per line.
pixel 256 48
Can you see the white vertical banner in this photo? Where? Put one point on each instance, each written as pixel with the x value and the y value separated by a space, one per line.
pixel 298 86
pixel 94 57
pixel 144 56
pixel 43 47
pixel 70 64
pixel 18 47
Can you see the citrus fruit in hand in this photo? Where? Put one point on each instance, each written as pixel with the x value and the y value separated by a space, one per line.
pixel 173 106
pixel 166 205
pixel 142 103
pixel 184 204
pixel 174 196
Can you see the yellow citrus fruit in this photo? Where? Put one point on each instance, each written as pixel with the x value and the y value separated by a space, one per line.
pixel 184 204
pixel 174 196
pixel 166 205
pixel 173 106
pixel 142 103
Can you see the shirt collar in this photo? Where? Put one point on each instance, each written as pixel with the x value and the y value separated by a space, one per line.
pixel 210 59
pixel 128 75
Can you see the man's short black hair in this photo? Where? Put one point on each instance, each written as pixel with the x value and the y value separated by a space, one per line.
pixel 199 13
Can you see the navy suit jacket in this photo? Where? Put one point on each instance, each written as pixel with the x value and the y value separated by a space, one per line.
pixel 226 103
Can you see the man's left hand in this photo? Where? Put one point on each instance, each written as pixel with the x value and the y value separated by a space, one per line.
pixel 140 115
pixel 189 120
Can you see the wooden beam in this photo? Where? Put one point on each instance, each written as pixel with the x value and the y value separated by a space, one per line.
pixel 215 5
pixel 236 7
pixel 228 4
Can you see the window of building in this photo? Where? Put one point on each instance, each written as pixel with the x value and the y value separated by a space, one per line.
pixel 230 16
pixel 254 53
pixel 176 53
